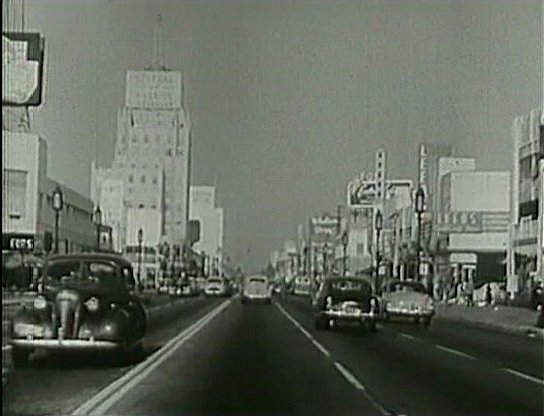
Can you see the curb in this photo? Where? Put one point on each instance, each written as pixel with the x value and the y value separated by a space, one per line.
pixel 525 330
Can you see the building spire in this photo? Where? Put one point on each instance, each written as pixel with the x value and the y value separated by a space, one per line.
pixel 158 57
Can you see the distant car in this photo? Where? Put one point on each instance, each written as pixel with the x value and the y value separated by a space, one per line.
pixel 256 288
pixel 86 301
pixel 216 286
pixel 302 286
pixel 344 299
pixel 407 299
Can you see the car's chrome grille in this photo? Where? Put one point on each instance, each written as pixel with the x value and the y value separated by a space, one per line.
pixel 67 304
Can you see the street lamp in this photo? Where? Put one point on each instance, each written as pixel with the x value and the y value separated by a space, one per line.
pixel 325 248
pixel 97 219
pixel 140 240
pixel 378 225
pixel 58 204
pixel 344 246
pixel 420 208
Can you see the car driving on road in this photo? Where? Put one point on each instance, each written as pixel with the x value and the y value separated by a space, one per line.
pixel 216 286
pixel 86 301
pixel 345 300
pixel 407 299
pixel 256 289
pixel 302 286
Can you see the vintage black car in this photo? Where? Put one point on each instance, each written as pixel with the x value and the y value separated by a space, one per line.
pixel 84 301
pixel 344 299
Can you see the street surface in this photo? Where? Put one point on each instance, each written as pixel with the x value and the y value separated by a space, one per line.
pixel 269 359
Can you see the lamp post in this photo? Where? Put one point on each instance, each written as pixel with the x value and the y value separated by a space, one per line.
pixel 344 247
pixel 97 219
pixel 378 224
pixel 420 208
pixel 325 248
pixel 58 204
pixel 140 240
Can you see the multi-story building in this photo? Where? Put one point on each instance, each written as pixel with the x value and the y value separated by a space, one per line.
pixel 27 202
pixel 203 209
pixel 472 225
pixel 151 159
pixel 525 258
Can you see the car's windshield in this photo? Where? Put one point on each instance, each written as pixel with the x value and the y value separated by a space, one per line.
pixel 87 273
pixel 407 287
pixel 257 280
pixel 214 280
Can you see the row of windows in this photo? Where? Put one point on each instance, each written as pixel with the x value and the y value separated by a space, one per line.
pixel 154 179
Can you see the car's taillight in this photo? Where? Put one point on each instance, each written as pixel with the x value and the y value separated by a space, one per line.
pixel 328 301
pixel 40 303
pixel 92 304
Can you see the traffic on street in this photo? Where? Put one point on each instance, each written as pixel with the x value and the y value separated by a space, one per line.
pixel 267 207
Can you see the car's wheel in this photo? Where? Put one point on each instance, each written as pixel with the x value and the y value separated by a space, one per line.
pixel 21 357
pixel 372 326
pixel 269 301
pixel 386 316
pixel 426 321
pixel 416 319
pixel 244 301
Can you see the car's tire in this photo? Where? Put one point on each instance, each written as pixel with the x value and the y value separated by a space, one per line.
pixel 386 317
pixel 426 322
pixel 372 326
pixel 244 301
pixel 20 356
pixel 269 301
pixel 416 319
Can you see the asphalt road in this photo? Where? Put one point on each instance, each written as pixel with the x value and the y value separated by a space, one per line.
pixel 57 384
pixel 269 359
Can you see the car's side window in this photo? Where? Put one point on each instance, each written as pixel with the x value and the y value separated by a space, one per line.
pixel 128 276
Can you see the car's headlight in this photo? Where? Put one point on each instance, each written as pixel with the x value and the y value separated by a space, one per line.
pixel 430 304
pixel 373 304
pixel 328 301
pixel 40 303
pixel 92 304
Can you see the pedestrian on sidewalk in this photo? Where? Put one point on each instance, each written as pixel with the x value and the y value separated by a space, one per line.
pixel 469 291
pixel 488 295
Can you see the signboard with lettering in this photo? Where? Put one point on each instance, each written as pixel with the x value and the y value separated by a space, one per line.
pixel 361 192
pixel 459 221
pixel 22 68
pixel 153 89
pixel 323 229
pixel 18 242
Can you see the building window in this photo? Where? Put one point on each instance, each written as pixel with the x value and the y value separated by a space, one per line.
pixel 142 179
pixel 14 193
pixel 146 138
pixel 154 180
pixel 130 179
pixel 169 152
pixel 141 206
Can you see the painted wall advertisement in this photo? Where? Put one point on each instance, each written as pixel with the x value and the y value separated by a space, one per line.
pixel 323 230
pixel 22 68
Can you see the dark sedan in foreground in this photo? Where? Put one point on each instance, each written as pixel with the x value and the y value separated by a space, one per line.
pixel 85 301
pixel 345 300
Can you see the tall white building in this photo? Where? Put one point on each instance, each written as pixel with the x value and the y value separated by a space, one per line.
pixel 151 159
pixel 203 209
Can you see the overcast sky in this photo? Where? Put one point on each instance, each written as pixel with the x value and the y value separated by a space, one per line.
pixel 290 99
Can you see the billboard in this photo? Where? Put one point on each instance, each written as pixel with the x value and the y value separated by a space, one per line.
pixel 323 229
pixel 22 67
pixel 153 89
pixel 459 222
pixel 362 191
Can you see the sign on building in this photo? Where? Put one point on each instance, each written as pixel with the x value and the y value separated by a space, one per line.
pixel 153 89
pixel 459 222
pixel 18 242
pixel 323 229
pixel 22 68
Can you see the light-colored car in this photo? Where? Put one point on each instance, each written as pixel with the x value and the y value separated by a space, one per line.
pixel 257 288
pixel 407 299
pixel 215 286
pixel 302 286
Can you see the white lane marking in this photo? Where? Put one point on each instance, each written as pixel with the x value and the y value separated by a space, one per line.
pixel 459 353
pixel 407 336
pixel 100 403
pixel 349 377
pixel 341 369
pixel 320 347
pixel 525 376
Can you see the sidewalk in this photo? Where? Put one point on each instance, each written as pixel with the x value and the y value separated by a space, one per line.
pixel 504 318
